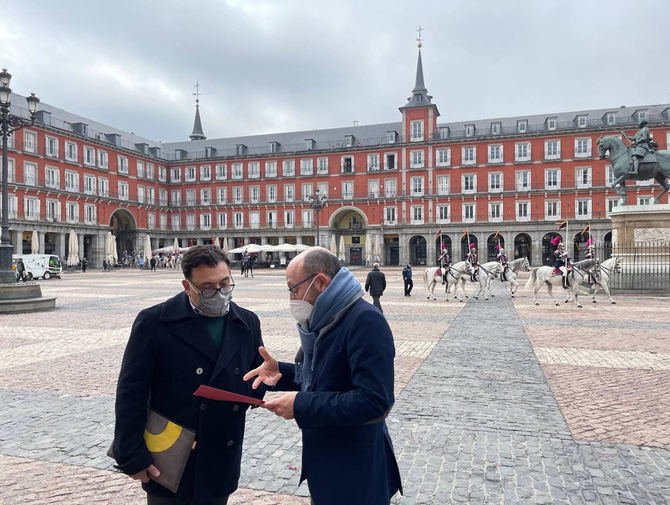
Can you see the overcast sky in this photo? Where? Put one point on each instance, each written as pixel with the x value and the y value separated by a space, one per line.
pixel 284 65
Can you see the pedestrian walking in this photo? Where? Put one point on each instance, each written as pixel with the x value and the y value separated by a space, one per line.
pixel 152 262
pixel 199 337
pixel 84 264
pixel 104 265
pixel 20 270
pixel 376 284
pixel 407 279
pixel 341 394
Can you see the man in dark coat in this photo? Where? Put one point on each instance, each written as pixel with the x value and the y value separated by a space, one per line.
pixel 152 262
pixel 346 386
pixel 376 284
pixel 20 270
pixel 197 337
pixel 407 279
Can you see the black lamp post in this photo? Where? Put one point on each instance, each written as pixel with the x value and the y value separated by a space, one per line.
pixel 317 202
pixel 9 124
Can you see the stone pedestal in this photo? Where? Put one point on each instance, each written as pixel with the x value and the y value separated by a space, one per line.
pixel 640 224
pixel 18 297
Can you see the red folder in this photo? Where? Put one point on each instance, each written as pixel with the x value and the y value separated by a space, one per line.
pixel 224 396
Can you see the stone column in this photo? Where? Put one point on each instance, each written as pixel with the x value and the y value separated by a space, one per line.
pixel 18 246
pixel 403 248
pixel 41 238
pixel 60 245
pixel 80 241
pixel 431 250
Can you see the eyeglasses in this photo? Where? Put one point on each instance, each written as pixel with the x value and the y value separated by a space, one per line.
pixel 292 288
pixel 211 292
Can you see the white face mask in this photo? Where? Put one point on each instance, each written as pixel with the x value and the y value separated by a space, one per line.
pixel 301 310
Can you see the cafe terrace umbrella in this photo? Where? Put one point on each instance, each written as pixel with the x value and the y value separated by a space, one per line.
pixel 342 256
pixel 175 245
pixel 147 249
pixel 73 247
pixel 115 253
pixel 333 244
pixel 35 243
pixel 109 246
pixel 378 249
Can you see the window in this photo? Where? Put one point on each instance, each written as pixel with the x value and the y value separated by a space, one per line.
pixel 270 169
pixel 609 175
pixel 162 176
pixel 205 221
pixel 307 191
pixel 582 147
pixel 443 184
pixel 610 118
pixel 495 154
pixel 288 218
pixel 373 162
pixel 443 157
pixel 495 211
pixel 151 220
pixel 163 221
pixel 583 177
pixel 523 180
pixel 581 121
pixel 221 195
pixel 122 166
pixel 190 221
pixel 70 151
pixel 190 197
pixel 443 132
pixel 205 173
pixel 123 190
pixel 89 214
pixel 416 130
pixel 89 156
pixel 416 185
pixel 523 211
pixel 103 160
pixel 53 210
pixel 612 203
pixel 496 128
pixel 238 194
pixel 373 188
pixel 522 126
pixel 11 171
pixel 103 186
pixel 306 166
pixel 29 141
pixel 271 193
pixel 322 165
pixel 254 219
pixel 175 197
pixel 391 137
pixel 495 182
pixel 348 141
pixel 31 208
pixel 289 192
pixel 644 200
pixel 583 208
pixel 222 220
pixel 522 151
pixel 254 194
pixel 29 172
pixel 72 212
pixel 322 188
pixel 347 164
pixel 390 215
pixel 12 204
pixel 254 169
pixel 469 130
pixel 443 215
pixel 416 214
pixel 51 146
pixel 89 184
pixel 552 209
pixel 348 190
pixel 468 211
pixel 71 181
pixel 390 161
pixel 552 178
pixel 469 155
pixel 51 177
pixel 175 174
pixel 416 159
pixel 390 188
pixel 189 174
pixel 205 196
pixel 288 168
pixel 162 197
pixel 469 183
pixel 641 115
pixel 150 171
pixel 176 221
pixel 307 218
pixel 552 149
pixel 222 172
pixel 551 124
pixel 139 167
pixel 271 218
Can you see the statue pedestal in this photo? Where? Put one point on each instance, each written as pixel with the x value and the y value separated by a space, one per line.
pixel 640 224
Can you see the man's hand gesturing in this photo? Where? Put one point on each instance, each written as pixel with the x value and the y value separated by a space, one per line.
pixel 268 373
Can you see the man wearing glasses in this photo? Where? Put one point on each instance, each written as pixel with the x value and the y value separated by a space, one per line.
pixel 197 337
pixel 344 377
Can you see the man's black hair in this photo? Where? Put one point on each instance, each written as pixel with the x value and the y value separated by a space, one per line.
pixel 209 255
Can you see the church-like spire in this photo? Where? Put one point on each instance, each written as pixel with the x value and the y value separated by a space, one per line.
pixel 197 124
pixel 419 85
pixel 420 96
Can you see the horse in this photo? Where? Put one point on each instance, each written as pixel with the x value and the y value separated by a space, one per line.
pixel 544 275
pixel 513 268
pixel 607 268
pixel 486 273
pixel 248 265
pixel 622 162
pixel 454 274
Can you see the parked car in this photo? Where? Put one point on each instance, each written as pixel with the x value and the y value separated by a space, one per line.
pixel 40 265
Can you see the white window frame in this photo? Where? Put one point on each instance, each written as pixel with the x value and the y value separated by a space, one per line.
pixel 238 194
pixel 103 186
pixel 162 221
pixel 518 206
pixel 271 193
pixel 417 186
pixel 254 170
pixel 28 167
pixel 289 193
pixel 271 219
pixel 496 182
pixel 122 164
pixel 71 181
pixel 552 209
pixel 443 157
pixel 611 203
pixel 416 130
pixel 465 208
pixel 175 221
pixel 390 188
pixel 416 159
pixel 90 214
pixel 464 179
pixel 254 219
pixel 254 194
pixel 53 209
pixel 307 218
pixel 72 212
pixel 394 157
pixel 522 151
pixel 175 174
pixel 373 188
pixel 322 165
pixel 416 213
pixel 390 215
pixel 139 169
pixel 31 208
pixel 270 169
pixel 583 147
pixel 122 190
pixel 90 184
pixel 221 195
pixel 557 184
pixel 289 218
pixel 238 220
pixel 373 162
pixel 221 170
pixel 103 159
pixel 306 166
pixel 205 172
pixel 190 174
pixel 440 210
pixel 583 177
pixel 151 195
pixel 205 221
pixel 469 155
pixel 523 180
pixel 175 197
pixel 51 177
pixel 205 196
pixel 89 156
pixel 69 146
pixel 51 146
pixel 29 141
pixel 288 168
pixel 579 204
pixel 343 163
pixel 222 220
pixel 190 222
pixel 496 211
pixel 552 156
pixel 522 126
pixel 551 123
pixel 347 190
pixel 443 184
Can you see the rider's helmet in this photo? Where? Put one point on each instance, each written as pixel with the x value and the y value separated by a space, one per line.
pixel 643 123
pixel 502 251
pixel 560 245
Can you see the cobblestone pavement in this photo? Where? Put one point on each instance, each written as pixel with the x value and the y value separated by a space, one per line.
pixel 497 402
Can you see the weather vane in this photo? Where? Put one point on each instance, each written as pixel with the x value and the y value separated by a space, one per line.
pixel 419 39
pixel 197 92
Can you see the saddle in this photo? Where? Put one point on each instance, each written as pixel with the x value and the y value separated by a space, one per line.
pixel 556 271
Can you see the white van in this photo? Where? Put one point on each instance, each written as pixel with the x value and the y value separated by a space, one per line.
pixel 40 265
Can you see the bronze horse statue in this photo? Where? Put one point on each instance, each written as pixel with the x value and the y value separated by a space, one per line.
pixel 655 165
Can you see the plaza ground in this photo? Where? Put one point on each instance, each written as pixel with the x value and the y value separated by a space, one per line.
pixel 497 401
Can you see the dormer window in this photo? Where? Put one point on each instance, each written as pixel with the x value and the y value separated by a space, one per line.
pixel 309 144
pixel 274 146
pixel 581 121
pixel 240 149
pixel 551 123
pixel 642 115
pixel 610 118
pixel 469 130
pixel 391 137
pixel 348 141
pixel 417 98
pixel 210 152
pixel 522 126
pixel 496 128
pixel 443 132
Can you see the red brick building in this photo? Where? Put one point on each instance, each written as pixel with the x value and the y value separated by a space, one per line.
pixel 401 182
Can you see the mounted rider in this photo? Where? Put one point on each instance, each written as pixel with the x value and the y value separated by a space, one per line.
pixel 641 144
pixel 472 261
pixel 502 259
pixel 594 271
pixel 444 262
pixel 562 262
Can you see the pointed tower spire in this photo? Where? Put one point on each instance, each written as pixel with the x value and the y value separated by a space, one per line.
pixel 420 96
pixel 197 124
pixel 419 85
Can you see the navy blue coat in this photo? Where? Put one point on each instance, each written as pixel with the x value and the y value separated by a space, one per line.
pixel 169 354
pixel 347 453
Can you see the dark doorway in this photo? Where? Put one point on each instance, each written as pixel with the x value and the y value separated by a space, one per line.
pixel 492 246
pixel 548 248
pixel 444 243
pixel 522 246
pixel 356 256
pixel 466 241
pixel 417 250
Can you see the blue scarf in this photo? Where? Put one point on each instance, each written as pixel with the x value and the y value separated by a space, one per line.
pixel 340 294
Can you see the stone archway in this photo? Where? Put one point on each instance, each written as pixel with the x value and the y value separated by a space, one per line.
pixel 491 246
pixel 522 246
pixel 417 250
pixel 579 246
pixel 548 248
pixel 466 241
pixel 439 244
pixel 351 224
pixel 124 228
pixel 607 246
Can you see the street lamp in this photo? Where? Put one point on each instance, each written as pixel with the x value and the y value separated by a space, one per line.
pixel 317 202
pixel 8 125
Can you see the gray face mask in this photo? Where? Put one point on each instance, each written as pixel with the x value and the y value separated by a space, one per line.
pixel 218 306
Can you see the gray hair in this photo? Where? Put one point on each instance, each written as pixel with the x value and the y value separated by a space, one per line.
pixel 319 260
pixel 375 265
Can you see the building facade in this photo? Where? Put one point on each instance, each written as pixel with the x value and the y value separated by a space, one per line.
pixel 415 185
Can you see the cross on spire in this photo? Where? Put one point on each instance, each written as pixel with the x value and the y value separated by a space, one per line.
pixel 419 39
pixel 197 92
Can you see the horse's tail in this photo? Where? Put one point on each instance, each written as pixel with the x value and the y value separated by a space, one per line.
pixel 532 279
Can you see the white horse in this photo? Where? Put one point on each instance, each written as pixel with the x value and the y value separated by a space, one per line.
pixel 485 274
pixel 607 268
pixel 544 275
pixel 454 274
pixel 513 269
